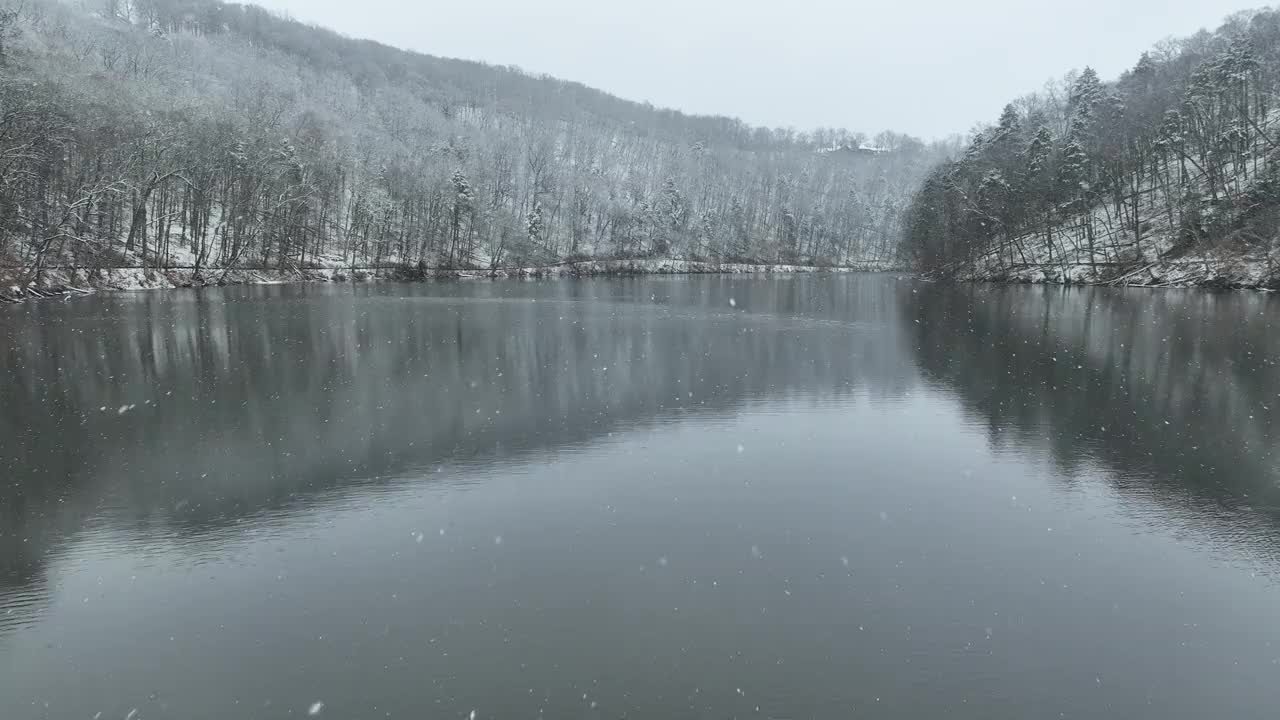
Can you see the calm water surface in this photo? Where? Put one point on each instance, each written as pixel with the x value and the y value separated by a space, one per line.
pixel 790 497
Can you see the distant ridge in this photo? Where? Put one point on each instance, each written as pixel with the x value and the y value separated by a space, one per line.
pixel 191 133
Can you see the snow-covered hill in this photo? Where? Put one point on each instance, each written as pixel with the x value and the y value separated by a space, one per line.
pixel 1168 176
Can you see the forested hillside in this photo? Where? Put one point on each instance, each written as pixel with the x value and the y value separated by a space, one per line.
pixel 200 135
pixel 1168 175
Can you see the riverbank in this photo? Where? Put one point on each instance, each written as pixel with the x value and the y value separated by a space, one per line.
pixel 1226 272
pixel 62 282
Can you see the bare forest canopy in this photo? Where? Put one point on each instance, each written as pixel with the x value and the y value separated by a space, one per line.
pixel 203 135
pixel 1174 162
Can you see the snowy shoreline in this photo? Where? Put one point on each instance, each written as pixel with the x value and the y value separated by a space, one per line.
pixel 1207 273
pixel 1200 273
pixel 61 283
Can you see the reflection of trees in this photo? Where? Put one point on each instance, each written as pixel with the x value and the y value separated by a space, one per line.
pixel 245 406
pixel 1173 391
pixel 23 562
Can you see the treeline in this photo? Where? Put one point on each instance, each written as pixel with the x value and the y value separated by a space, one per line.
pixel 193 133
pixel 1175 159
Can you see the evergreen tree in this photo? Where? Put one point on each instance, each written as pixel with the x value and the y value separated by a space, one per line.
pixel 461 211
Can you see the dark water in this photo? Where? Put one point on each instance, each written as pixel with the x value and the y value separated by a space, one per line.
pixel 855 496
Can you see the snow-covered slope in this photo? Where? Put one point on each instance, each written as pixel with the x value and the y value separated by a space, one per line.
pixel 1168 175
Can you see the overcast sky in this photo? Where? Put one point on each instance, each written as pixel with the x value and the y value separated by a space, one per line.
pixel 927 67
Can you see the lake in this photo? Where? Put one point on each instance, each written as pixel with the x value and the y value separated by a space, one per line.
pixel 673 497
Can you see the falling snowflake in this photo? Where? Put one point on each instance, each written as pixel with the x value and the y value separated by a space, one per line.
pixel 316 708
pixel 733 303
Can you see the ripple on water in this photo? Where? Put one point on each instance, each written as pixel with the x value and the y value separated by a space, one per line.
pixel 21 607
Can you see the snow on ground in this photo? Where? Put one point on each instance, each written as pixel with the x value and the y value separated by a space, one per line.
pixel 1221 270
pixel 665 266
pixel 1114 257
pixel 334 268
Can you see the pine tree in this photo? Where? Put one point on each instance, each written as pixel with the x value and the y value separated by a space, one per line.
pixel 1073 173
pixel 463 203
pixel 1038 181
pixel 1004 146
pixel 675 217
pixel 1085 95
pixel 533 225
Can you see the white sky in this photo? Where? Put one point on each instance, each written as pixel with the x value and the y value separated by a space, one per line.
pixel 928 67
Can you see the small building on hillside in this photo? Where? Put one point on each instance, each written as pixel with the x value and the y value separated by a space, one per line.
pixel 863 149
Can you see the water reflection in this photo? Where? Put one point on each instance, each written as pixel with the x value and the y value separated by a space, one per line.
pixel 690 497
pixel 181 413
pixel 1174 392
